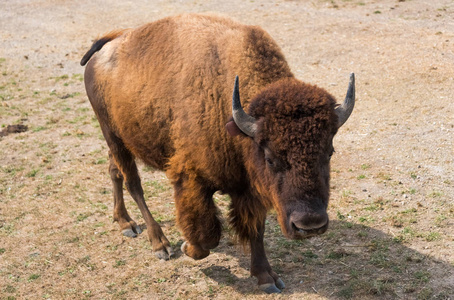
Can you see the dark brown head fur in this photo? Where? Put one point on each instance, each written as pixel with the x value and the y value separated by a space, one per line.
pixel 296 126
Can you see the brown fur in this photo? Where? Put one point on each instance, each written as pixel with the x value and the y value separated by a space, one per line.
pixel 162 93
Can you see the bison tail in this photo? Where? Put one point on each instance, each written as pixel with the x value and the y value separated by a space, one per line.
pixel 99 43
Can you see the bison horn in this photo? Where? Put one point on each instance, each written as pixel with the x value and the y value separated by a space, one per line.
pixel 344 111
pixel 245 122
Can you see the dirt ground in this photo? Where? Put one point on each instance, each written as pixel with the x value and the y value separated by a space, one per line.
pixel 392 210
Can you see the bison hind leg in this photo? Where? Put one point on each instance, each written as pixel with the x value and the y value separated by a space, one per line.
pixel 128 227
pixel 122 165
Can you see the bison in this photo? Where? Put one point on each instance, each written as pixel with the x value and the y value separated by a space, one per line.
pixel 161 94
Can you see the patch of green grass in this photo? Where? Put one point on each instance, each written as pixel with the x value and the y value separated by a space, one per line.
pixel 362 234
pixel 432 236
pixel 435 194
pixel 7 228
pixel 105 191
pixel 32 173
pixel 100 161
pixel 381 286
pixel 309 254
pixel 362 176
pixel 346 292
pixel 348 224
pixel 379 259
pixel 396 221
pixel 39 128
pixel 71 95
pixel 383 176
pixel 373 207
pixel 4 97
pixel 52 120
pixel 62 77
pixel 426 293
pixel 12 170
pixel 346 193
pixel 440 219
pixel 340 216
pixel 365 166
pixel 409 211
pixel 77 119
pixel 335 255
pixel 83 109
pixel 157 187
pixel 82 217
pixel 408 230
pixel 100 206
pixel 78 77
pixel 119 263
pixel 148 169
pixel 364 219
pixel 422 276
pixel 33 277
pixel 289 244
pixel 48 146
pixel 2 250
pixel 10 289
pixel 411 191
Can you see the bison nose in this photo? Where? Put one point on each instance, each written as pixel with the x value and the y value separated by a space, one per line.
pixel 304 221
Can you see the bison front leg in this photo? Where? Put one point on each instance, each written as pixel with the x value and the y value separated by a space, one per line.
pixel 196 216
pixel 247 216
pixel 268 280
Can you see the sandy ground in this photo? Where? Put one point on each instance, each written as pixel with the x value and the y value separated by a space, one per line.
pixel 392 189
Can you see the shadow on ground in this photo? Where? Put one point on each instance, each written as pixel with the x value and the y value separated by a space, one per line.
pixel 351 261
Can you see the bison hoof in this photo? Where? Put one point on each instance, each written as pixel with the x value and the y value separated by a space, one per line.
pixel 164 254
pixel 193 251
pixel 269 288
pixel 280 284
pixel 273 288
pixel 129 233
pixel 132 232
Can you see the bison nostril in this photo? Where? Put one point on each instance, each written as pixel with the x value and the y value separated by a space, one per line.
pixel 308 221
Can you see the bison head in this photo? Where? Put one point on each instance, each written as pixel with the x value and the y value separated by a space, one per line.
pixel 291 125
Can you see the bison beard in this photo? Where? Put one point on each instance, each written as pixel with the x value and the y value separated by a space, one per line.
pixel 161 93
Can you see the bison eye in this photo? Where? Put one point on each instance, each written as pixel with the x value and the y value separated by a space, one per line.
pixel 269 161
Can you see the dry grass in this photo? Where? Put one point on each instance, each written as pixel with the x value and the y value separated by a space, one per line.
pixel 392 211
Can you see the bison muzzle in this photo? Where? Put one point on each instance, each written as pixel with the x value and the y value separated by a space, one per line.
pixel 161 93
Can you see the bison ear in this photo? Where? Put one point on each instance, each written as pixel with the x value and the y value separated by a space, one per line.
pixel 232 128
